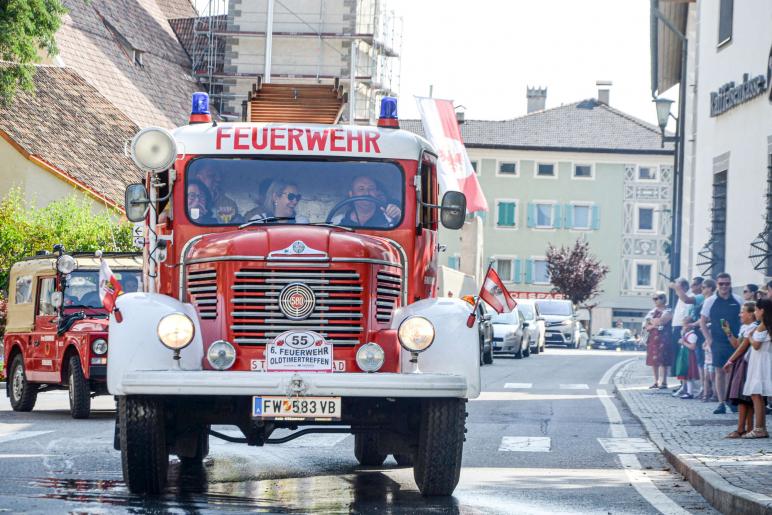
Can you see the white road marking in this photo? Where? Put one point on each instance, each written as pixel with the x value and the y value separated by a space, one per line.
pixel 525 444
pixel 519 386
pixel 626 445
pixel 611 371
pixel 574 387
pixel 18 435
pixel 640 481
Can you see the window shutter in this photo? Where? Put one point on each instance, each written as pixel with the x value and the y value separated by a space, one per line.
pixel 531 214
pixel 596 217
pixel 518 274
pixel 569 216
pixel 557 219
pixel 502 213
pixel 528 271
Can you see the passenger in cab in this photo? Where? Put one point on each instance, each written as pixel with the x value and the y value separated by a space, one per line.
pixel 199 202
pixel 130 284
pixel 370 214
pixel 281 201
pixel 222 208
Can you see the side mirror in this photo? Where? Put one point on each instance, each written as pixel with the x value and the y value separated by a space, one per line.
pixel 486 317
pixel 136 202
pixel 525 324
pixel 453 210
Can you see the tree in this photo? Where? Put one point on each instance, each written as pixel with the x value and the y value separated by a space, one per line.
pixel 25 229
pixel 575 272
pixel 26 27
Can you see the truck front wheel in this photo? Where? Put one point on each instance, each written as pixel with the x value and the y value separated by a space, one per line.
pixel 366 450
pixel 144 454
pixel 23 394
pixel 80 393
pixel 440 444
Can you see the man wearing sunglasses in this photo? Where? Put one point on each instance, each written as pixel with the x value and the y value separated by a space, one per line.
pixel 721 309
pixel 378 214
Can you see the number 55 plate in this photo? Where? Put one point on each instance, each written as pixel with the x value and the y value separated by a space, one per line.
pixel 296 407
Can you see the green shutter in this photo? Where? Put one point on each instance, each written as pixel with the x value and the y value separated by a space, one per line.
pixel 511 213
pixel 528 271
pixel 518 273
pixel 556 216
pixel 596 217
pixel 502 213
pixel 569 216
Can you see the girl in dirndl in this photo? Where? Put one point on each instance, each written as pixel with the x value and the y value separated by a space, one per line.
pixel 737 367
pixel 758 380
pixel 658 349
pixel 691 373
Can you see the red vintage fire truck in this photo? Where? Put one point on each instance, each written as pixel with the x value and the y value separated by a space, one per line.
pixel 291 285
pixel 56 332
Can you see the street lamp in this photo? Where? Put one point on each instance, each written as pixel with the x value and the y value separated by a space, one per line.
pixel 663 116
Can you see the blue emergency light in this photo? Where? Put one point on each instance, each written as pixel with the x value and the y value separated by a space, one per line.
pixel 388 116
pixel 200 103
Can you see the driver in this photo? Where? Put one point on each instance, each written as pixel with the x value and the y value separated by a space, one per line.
pixel 130 284
pixel 364 213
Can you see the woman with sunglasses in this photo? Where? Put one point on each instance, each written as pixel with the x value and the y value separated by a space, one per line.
pixel 658 350
pixel 281 201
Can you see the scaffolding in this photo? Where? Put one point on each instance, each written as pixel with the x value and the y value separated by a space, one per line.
pixel 312 43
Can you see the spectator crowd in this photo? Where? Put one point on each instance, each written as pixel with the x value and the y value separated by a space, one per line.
pixel 717 344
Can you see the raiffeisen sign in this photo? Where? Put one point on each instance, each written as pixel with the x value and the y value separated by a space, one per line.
pixel 730 95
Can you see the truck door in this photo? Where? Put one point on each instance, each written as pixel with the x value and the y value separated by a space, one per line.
pixel 42 347
pixel 426 244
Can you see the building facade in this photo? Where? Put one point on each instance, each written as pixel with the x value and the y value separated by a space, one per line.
pixel 581 171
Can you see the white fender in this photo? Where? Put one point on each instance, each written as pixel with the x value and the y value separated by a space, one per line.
pixel 456 347
pixel 134 343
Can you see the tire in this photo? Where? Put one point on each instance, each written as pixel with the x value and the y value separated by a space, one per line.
pixel 78 387
pixel 482 352
pixel 23 394
pixel 519 352
pixel 527 351
pixel 202 450
pixel 440 444
pixel 366 450
pixel 144 454
pixel 488 356
pixel 403 460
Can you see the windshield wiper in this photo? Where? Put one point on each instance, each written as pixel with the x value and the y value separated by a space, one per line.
pixel 266 220
pixel 325 224
pixel 71 306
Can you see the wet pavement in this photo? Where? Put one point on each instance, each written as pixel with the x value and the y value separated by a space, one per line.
pixel 542 439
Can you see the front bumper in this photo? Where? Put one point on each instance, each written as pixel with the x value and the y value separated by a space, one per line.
pixel 557 336
pixel 207 382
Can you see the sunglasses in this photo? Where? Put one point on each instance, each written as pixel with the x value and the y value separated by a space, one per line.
pixel 293 196
pixel 724 284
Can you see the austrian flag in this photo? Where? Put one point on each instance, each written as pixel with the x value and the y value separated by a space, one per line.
pixel 109 288
pixel 495 294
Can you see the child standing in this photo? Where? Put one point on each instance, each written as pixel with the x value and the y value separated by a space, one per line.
pixel 737 365
pixel 758 381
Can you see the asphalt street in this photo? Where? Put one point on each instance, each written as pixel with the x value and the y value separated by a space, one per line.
pixel 547 435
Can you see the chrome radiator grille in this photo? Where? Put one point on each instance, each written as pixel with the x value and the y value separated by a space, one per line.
pixel 202 289
pixel 388 289
pixel 255 318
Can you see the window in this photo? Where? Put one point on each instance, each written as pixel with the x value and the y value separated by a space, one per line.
pixel 46 287
pixel 475 167
pixel 643 275
pixel 581 217
pixel 23 293
pixel 647 173
pixel 726 13
pixel 543 216
pixel 545 170
pixel 583 172
pixel 507 168
pixel 507 213
pixel 504 269
pixel 540 275
pixel 718 222
pixel 645 221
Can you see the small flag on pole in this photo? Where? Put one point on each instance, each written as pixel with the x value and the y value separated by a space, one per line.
pixel 109 289
pixel 495 294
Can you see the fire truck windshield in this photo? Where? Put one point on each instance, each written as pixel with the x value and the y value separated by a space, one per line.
pixel 82 289
pixel 357 194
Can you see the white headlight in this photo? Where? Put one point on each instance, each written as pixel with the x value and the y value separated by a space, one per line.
pixel 99 346
pixel 66 264
pixel 176 331
pixel 154 149
pixel 221 355
pixel 416 334
pixel 370 357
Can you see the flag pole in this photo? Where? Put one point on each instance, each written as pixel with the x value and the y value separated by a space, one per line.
pixel 470 319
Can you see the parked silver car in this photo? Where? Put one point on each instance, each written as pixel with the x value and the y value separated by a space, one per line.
pixel 510 334
pixel 534 324
pixel 562 327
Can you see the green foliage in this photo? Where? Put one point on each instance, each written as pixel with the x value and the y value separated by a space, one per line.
pixel 575 272
pixel 25 229
pixel 26 27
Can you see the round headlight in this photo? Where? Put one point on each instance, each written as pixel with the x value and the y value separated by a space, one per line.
pixel 221 355
pixel 176 331
pixel 154 149
pixel 66 264
pixel 416 334
pixel 370 357
pixel 99 346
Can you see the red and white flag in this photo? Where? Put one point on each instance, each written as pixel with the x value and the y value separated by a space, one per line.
pixel 455 169
pixel 109 287
pixel 495 294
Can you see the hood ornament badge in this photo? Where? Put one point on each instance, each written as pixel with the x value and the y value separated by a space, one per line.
pixel 297 248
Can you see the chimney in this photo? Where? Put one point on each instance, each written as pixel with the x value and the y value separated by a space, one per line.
pixel 537 99
pixel 604 91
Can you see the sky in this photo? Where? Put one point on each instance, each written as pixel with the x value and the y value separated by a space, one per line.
pixel 483 54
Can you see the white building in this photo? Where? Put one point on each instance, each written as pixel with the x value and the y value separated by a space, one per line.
pixel 727 224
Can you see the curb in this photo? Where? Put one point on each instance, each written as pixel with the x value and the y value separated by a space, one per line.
pixel 722 495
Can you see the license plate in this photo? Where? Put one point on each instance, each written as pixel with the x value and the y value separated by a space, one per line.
pixel 258 365
pixel 296 407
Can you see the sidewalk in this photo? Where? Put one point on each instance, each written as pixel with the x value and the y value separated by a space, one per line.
pixel 735 476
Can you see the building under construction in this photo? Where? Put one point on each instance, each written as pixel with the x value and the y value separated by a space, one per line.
pixel 234 43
